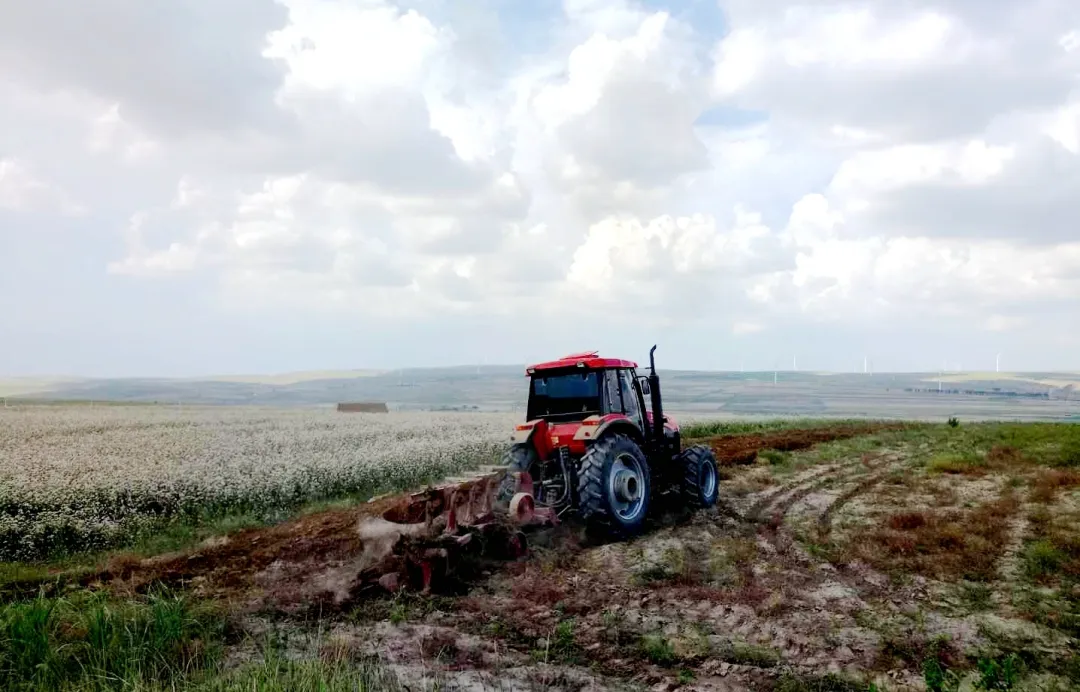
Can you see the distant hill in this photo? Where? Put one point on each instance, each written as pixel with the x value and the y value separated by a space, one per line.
pixel 1047 396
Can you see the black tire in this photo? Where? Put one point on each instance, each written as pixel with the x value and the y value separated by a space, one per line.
pixel 519 457
pixel 599 504
pixel 700 478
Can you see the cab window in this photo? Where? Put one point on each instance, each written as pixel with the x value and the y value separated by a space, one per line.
pixel 631 403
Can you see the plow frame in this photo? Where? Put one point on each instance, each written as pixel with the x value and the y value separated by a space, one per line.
pixel 456 511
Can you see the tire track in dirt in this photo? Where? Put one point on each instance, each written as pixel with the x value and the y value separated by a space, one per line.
pixel 1008 567
pixel 783 507
pixel 824 520
pixel 807 478
pixel 781 500
pixel 781 537
pixel 867 473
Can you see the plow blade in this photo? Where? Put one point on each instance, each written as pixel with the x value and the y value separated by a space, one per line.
pixel 483 515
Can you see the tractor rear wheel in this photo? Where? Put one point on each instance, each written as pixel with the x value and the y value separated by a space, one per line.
pixel 699 483
pixel 520 457
pixel 614 485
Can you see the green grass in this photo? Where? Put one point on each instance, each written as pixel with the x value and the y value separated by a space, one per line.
pixel 953 463
pixel 774 457
pixel 279 674
pixel 657 648
pixel 698 429
pixel 1043 559
pixel 976 597
pixel 92 642
pixel 753 655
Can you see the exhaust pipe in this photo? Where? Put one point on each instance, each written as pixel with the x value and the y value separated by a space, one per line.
pixel 656 400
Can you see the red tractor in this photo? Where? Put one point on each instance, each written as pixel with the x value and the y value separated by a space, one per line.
pixel 591 446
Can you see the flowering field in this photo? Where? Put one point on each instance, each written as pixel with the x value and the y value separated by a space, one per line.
pixel 80 477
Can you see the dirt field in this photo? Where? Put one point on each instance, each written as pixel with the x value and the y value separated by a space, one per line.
pixel 842 558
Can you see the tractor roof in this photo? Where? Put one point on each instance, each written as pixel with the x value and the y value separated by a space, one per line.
pixel 588 359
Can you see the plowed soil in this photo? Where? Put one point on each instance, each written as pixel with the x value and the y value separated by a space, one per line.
pixel 743 449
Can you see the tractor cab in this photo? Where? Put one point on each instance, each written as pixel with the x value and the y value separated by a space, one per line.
pixel 582 385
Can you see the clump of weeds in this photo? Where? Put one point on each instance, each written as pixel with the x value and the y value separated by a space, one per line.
pixel 658 649
pixel 561 646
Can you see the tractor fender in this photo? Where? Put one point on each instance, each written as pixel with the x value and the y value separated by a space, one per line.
pixel 595 427
pixel 535 431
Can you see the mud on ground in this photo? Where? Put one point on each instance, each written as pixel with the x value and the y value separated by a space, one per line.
pixel 842 563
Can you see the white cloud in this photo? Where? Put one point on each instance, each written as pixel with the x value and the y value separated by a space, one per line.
pixel 917 70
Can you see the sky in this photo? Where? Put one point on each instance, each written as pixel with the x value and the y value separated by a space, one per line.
pixel 202 187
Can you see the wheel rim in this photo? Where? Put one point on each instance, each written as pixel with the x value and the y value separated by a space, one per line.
pixel 626 487
pixel 708 479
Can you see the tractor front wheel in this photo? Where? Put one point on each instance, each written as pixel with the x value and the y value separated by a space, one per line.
pixel 699 483
pixel 614 485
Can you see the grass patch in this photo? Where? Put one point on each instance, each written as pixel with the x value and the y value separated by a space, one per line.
pixel 1053 554
pixel 945 544
pixel 561 646
pixel 1043 559
pixel 751 655
pixel 774 457
pixel 735 427
pixel 957 463
pixel 976 597
pixel 278 674
pixel 93 642
pixel 657 648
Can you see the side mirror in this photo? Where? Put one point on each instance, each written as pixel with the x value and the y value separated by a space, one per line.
pixel 643 382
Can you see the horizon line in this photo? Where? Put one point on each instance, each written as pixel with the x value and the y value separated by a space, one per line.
pixel 343 373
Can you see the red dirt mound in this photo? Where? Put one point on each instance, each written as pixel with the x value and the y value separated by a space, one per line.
pixel 743 449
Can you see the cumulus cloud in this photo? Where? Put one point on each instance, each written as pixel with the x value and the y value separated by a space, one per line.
pixel 869 166
pixel 197 65
pixel 917 70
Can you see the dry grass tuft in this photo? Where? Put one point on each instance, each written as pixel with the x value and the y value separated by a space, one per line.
pixel 946 544
pixel 1048 482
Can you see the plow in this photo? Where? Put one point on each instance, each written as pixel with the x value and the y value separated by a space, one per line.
pixel 595 447
pixel 485 516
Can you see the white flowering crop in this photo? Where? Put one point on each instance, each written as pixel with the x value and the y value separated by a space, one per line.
pixel 83 477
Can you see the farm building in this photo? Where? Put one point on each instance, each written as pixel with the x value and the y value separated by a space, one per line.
pixel 363 407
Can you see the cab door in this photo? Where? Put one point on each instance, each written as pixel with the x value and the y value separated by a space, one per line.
pixel 633 404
